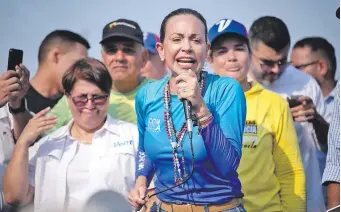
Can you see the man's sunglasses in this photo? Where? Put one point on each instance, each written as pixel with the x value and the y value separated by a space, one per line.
pixel 82 100
pixel 272 63
pixel 306 64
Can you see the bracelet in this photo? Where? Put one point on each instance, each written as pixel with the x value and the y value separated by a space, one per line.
pixel 204 123
pixel 202 116
pixel 196 119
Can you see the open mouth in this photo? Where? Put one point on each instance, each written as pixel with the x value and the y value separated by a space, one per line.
pixel 186 62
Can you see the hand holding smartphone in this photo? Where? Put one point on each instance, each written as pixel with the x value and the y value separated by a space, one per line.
pixel 19 87
pixel 15 58
pixel 293 101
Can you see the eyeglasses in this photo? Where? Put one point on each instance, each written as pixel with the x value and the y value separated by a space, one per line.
pixel 271 63
pixel 82 100
pixel 307 64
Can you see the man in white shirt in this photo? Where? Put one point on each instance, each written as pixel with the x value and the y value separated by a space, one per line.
pixel 316 57
pixel 270 42
pixel 13 114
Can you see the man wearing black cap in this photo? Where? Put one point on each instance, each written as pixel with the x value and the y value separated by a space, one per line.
pixel 124 56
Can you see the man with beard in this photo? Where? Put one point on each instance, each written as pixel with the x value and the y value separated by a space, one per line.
pixel 270 42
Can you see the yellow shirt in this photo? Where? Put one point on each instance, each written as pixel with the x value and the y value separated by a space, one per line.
pixel 270 170
pixel 122 105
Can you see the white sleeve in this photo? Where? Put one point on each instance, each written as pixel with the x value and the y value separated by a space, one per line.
pixel 33 155
pixel 32 169
pixel 135 136
pixel 10 116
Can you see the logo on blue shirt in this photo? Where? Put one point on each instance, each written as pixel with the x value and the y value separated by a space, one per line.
pixel 154 124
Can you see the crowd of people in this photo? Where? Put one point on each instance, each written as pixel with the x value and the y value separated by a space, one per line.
pixel 264 134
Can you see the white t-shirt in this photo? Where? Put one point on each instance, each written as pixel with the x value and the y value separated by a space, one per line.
pixel 77 177
pixel 111 166
pixel 6 140
pixel 295 82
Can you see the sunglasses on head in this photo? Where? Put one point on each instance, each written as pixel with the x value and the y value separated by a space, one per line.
pixel 82 100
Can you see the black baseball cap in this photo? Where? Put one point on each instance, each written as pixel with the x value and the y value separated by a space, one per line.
pixel 123 28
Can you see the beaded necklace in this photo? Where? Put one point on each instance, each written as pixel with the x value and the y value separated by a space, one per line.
pixel 174 138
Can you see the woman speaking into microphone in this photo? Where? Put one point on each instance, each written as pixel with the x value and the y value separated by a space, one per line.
pixel 197 174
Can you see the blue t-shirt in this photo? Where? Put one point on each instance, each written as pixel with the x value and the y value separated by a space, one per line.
pixel 217 150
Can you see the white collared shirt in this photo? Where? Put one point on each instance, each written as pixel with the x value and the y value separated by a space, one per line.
pixel 6 140
pixel 112 165
pixel 77 176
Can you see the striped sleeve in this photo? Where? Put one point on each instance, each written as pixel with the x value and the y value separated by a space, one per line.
pixel 223 136
pixel 223 154
pixel 332 170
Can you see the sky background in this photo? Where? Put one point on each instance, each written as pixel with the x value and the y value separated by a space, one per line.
pixel 24 24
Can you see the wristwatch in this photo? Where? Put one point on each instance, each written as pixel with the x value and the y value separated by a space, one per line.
pixel 21 109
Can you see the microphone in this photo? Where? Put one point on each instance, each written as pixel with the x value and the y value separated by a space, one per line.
pixel 188 111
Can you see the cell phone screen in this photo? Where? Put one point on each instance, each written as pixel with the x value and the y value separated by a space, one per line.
pixel 15 57
pixel 293 101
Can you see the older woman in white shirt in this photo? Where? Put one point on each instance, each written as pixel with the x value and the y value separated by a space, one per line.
pixel 92 153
